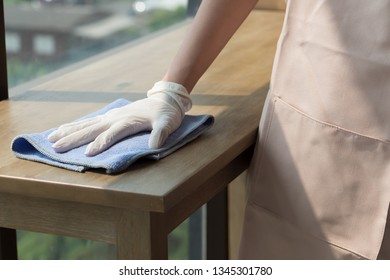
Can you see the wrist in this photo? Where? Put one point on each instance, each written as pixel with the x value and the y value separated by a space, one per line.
pixel 176 91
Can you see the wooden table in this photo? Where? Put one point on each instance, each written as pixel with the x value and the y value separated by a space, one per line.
pixel 137 209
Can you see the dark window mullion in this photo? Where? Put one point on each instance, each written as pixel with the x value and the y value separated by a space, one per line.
pixel 3 57
pixel 192 7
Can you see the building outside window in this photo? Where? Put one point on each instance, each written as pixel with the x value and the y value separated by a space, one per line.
pixel 44 44
pixel 13 42
pixel 45 35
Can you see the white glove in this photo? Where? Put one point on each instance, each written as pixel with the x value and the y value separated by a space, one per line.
pixel 161 113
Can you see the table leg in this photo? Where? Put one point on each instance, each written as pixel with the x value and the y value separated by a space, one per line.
pixel 8 248
pixel 217 227
pixel 142 235
pixel 197 235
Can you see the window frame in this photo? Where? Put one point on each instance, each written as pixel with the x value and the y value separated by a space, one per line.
pixel 3 57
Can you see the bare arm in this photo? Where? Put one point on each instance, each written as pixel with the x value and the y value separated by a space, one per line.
pixel 214 24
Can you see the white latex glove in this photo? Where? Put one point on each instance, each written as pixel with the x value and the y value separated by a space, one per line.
pixel 161 113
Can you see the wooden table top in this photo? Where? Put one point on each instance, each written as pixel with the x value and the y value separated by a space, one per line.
pixel 233 90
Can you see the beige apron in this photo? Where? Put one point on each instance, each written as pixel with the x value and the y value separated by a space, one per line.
pixel 320 176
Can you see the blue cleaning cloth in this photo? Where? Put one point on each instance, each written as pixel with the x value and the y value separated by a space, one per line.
pixel 117 158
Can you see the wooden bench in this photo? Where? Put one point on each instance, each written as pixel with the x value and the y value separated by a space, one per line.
pixel 137 209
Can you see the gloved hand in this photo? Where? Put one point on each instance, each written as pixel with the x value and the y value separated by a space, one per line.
pixel 161 113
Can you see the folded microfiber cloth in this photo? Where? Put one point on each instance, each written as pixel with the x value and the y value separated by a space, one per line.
pixel 117 158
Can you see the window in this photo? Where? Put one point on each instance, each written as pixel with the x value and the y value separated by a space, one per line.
pixel 44 44
pixel 42 36
pixel 13 42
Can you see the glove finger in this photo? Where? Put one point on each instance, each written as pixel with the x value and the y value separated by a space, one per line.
pixel 79 138
pixel 113 135
pixel 70 128
pixel 161 130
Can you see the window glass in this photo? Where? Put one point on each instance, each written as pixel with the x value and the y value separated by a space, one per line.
pixel 44 44
pixel 45 35
pixel 13 43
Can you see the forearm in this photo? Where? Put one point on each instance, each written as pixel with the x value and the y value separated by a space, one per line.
pixel 213 26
